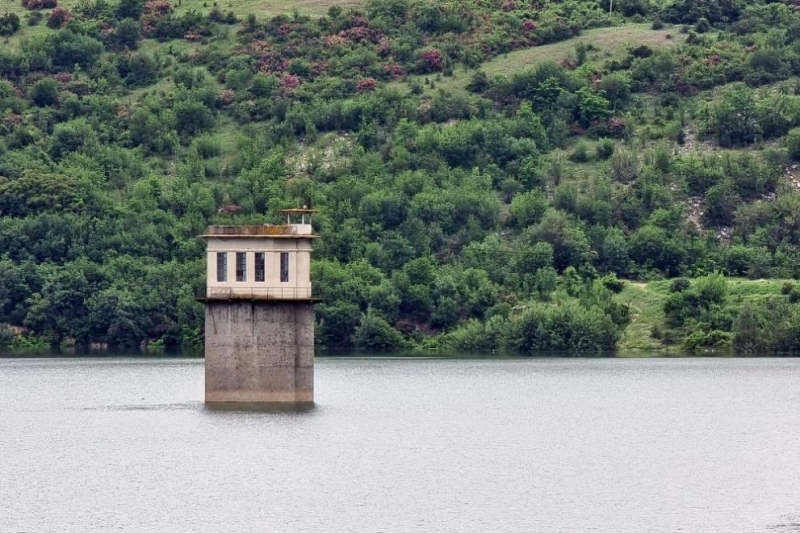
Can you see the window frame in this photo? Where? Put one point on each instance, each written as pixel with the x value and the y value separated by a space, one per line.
pixel 260 267
pixel 222 267
pixel 284 267
pixel 241 266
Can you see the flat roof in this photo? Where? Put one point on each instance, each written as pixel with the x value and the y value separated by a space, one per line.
pixel 251 236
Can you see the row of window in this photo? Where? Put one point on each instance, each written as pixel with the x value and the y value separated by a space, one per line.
pixel 241 266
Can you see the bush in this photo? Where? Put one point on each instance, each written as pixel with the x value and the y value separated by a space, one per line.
pixel 613 284
pixel 34 18
pixel 604 149
pixel 129 9
pixel 480 336
pixel 793 143
pixel 58 17
pixel 657 25
pixel 568 326
pixel 9 24
pixel 192 117
pixel 39 4
pixel 479 82
pixel 374 333
pixel 207 147
pixel 679 285
pixel 70 49
pixel 733 118
pixel 794 296
pixel 580 154
pixel 45 92
pixel 702 26
pixel 6 335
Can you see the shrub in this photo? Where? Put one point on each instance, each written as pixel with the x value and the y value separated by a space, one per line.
pixel 624 166
pixel 215 15
pixel 374 333
pixel 794 296
pixel 431 60
pixel 793 143
pixel 568 326
pixel 479 82
pixel 7 335
pixel 9 24
pixel 613 284
pixel 34 18
pixel 480 336
pixel 71 48
pixel 207 147
pixel 702 26
pixel 127 35
pixel 367 85
pixel 604 149
pixel 58 17
pixel 129 9
pixel 657 24
pixel 641 51
pixel 679 285
pixel 580 154
pixel 192 117
pixel 39 4
pixel 656 332
pixel 45 92
pixel 733 118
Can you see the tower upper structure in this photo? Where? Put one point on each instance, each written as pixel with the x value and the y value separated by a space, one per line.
pixel 261 262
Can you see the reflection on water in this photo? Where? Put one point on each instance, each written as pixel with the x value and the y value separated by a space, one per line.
pixel 610 445
pixel 267 408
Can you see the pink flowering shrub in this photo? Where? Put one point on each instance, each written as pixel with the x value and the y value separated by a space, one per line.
pixel 290 82
pixel 58 18
pixel 366 85
pixel 431 60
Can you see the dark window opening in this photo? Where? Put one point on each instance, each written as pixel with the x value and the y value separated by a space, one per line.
pixel 284 267
pixel 260 266
pixel 222 266
pixel 241 266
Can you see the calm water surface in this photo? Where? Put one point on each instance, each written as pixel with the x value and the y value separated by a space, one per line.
pixel 607 445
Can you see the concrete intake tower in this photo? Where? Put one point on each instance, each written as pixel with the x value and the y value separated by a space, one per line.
pixel 259 328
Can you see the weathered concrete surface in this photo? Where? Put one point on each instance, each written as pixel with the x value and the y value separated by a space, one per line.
pixel 259 352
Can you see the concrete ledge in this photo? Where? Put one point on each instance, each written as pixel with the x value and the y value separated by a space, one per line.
pixel 252 298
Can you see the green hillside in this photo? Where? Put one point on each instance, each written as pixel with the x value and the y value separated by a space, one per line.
pixel 486 171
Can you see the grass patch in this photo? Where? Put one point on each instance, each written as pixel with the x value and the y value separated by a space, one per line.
pixel 612 43
pixel 647 308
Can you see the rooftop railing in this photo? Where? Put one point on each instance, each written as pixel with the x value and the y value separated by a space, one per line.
pixel 262 229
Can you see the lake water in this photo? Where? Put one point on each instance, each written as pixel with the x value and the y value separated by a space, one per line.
pixel 406 445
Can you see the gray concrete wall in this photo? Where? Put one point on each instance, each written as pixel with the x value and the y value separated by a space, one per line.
pixel 259 352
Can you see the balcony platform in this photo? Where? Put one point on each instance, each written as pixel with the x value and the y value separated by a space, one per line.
pixel 266 294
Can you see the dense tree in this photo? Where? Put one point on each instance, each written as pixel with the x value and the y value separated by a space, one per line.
pixel 491 218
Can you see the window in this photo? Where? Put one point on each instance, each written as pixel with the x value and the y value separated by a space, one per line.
pixel 284 267
pixel 260 266
pixel 222 266
pixel 241 266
